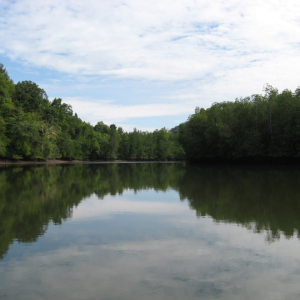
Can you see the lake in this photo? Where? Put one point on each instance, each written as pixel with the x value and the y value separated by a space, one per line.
pixel 149 231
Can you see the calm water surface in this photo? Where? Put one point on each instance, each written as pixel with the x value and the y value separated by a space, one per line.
pixel 149 231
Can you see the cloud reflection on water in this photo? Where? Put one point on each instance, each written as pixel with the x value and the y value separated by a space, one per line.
pixel 140 242
pixel 199 259
pixel 93 208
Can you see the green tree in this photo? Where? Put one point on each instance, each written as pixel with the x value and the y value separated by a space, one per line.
pixel 25 138
pixel 30 97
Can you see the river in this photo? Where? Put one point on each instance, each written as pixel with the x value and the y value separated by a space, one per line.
pixel 149 231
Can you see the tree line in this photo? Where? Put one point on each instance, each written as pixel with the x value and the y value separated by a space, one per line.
pixel 32 127
pixel 260 127
pixel 257 128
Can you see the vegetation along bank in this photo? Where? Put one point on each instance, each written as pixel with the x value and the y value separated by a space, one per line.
pixel 257 128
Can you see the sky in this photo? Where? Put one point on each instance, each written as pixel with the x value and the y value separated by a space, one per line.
pixel 148 64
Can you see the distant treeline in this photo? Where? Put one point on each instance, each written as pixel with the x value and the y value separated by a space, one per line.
pixel 257 128
pixel 263 127
pixel 32 127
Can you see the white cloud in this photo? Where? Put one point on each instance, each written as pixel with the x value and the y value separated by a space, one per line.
pixel 219 49
pixel 109 112
pixel 173 40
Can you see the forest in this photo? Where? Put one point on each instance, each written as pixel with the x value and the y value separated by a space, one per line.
pixel 32 128
pixel 257 128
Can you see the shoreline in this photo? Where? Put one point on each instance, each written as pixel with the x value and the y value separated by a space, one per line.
pixel 58 161
pixel 205 161
pixel 38 162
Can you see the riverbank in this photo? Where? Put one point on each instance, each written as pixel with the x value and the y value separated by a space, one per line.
pixel 59 161
pixel 255 160
pixel 48 161
pixel 203 161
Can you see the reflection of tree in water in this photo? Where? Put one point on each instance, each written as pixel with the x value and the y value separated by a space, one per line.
pixel 31 197
pixel 257 198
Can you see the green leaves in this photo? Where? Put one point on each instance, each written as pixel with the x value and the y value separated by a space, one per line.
pixel 260 126
pixel 7 89
pixel 30 97
pixel 3 139
pixel 31 127
pixel 25 137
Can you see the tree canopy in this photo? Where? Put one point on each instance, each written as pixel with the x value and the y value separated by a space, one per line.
pixel 261 126
pixel 32 127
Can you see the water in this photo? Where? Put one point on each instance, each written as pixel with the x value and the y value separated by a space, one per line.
pixel 149 231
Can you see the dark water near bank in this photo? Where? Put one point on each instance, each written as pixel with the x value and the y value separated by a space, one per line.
pixel 149 231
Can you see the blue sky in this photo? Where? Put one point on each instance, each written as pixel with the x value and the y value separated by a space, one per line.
pixel 148 64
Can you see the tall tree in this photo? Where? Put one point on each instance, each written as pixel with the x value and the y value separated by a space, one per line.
pixel 30 97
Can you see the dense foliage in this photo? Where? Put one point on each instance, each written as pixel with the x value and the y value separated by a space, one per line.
pixel 32 127
pixel 259 127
